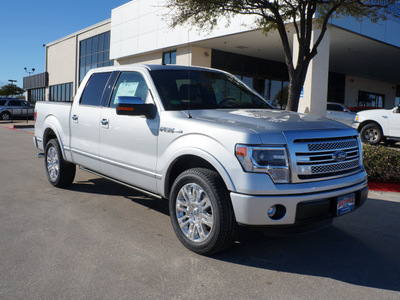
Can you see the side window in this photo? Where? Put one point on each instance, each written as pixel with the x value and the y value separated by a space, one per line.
pixel 334 107
pixel 94 89
pixel 14 103
pixel 2 102
pixel 129 84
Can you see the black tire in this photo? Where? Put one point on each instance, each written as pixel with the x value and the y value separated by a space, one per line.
pixel 60 173
pixel 5 116
pixel 212 214
pixel 371 134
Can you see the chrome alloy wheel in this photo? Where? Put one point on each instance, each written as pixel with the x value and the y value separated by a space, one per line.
pixel 194 212
pixel 53 163
pixel 371 134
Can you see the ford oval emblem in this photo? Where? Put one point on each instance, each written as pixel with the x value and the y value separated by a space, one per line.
pixel 339 156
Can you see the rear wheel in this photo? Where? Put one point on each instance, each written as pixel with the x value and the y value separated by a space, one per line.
pixel 371 134
pixel 60 173
pixel 201 212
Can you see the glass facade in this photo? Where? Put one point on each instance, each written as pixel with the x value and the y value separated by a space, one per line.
pixel 94 52
pixel 268 78
pixel 370 99
pixel 37 95
pixel 61 92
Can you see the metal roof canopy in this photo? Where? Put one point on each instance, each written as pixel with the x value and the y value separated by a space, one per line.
pixel 350 53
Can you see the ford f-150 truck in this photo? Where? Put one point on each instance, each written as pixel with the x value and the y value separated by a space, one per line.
pixel 379 125
pixel 214 148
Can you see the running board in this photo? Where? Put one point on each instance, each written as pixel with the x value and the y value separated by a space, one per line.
pixel 121 182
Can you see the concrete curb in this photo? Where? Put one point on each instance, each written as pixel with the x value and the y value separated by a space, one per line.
pixel 14 126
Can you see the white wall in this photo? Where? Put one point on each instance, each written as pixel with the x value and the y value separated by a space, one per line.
pixel 61 61
pixel 192 56
pixel 355 84
pixel 141 26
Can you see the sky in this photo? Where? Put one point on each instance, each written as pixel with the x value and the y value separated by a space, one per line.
pixel 28 24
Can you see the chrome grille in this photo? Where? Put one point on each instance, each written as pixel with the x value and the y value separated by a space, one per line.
pixel 321 158
pixel 334 167
pixel 332 145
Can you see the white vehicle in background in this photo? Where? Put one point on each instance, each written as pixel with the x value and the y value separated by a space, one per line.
pixel 340 113
pixel 379 125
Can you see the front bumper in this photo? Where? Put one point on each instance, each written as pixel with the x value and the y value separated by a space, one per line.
pixel 300 209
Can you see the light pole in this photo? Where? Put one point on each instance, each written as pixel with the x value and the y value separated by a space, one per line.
pixel 12 81
pixel 29 72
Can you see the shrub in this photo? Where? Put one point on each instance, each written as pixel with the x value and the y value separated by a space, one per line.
pixel 381 163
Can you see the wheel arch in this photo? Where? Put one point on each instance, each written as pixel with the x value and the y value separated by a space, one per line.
pixel 364 123
pixel 51 133
pixel 194 160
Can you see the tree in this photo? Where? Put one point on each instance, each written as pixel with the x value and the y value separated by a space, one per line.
pixel 305 15
pixel 11 90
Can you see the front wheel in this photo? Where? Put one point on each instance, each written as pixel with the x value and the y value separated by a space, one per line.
pixel 371 134
pixel 60 173
pixel 5 116
pixel 201 213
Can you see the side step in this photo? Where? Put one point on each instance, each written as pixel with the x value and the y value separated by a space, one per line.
pixel 121 182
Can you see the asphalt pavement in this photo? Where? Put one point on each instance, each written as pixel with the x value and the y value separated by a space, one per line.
pixel 100 240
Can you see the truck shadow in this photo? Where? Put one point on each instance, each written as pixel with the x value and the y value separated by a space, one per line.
pixel 103 186
pixel 362 248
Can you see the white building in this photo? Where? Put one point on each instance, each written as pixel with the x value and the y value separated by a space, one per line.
pixel 358 62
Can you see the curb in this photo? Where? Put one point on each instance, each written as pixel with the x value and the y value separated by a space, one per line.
pixel 21 126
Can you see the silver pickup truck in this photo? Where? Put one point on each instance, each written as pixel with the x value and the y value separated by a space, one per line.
pixel 205 141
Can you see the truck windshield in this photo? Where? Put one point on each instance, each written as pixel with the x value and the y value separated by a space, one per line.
pixel 197 89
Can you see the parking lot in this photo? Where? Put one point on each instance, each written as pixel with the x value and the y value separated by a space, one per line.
pixel 100 240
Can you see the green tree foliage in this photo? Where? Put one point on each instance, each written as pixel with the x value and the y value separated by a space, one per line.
pixel 9 90
pixel 305 15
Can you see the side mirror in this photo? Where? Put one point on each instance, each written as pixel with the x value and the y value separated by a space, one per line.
pixel 135 106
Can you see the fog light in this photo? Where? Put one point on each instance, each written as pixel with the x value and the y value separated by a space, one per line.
pixel 271 211
pixel 276 212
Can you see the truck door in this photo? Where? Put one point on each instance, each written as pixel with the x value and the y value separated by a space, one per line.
pixel 128 144
pixel 394 123
pixel 85 122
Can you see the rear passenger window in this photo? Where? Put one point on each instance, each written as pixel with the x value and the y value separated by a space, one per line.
pixel 94 89
pixel 2 102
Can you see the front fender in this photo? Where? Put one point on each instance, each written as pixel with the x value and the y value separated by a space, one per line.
pixel 203 147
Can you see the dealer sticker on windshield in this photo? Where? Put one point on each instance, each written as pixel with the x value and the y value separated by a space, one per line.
pixel 345 204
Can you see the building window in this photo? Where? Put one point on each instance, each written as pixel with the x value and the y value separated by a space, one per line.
pixel 169 58
pixel 94 53
pixel 61 92
pixel 37 95
pixel 370 99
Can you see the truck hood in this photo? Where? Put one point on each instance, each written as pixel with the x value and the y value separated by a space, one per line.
pixel 262 120
pixel 268 124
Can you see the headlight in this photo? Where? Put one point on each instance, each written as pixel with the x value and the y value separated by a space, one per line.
pixel 268 159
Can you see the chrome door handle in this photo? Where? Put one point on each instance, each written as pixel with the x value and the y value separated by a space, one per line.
pixel 74 117
pixel 104 122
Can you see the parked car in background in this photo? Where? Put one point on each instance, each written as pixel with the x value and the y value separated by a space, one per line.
pixel 362 108
pixel 340 113
pixel 379 125
pixel 11 108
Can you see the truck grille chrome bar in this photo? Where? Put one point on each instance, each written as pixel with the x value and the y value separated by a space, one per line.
pixel 319 158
